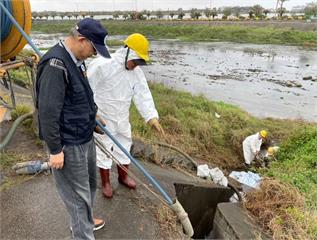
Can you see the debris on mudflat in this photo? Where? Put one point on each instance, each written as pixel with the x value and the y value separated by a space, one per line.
pixel 293 84
pixel 308 78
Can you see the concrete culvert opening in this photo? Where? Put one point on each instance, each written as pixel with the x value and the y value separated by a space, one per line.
pixel 200 202
pixel 210 212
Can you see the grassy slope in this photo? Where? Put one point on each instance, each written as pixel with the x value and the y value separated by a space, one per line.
pixel 297 163
pixel 191 124
pixel 265 35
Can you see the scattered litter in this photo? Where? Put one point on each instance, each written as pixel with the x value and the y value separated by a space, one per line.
pixel 203 171
pixel 292 84
pixel 215 174
pixel 30 167
pixel 254 70
pixel 217 115
pixel 247 178
pixel 308 78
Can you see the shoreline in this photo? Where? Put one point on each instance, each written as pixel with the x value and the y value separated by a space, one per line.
pixel 238 32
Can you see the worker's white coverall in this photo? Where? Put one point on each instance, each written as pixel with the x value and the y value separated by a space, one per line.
pixel 251 145
pixel 114 87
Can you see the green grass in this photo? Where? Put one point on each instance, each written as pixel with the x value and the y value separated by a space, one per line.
pixel 20 77
pixel 297 163
pixel 191 124
pixel 306 220
pixel 20 110
pixel 7 160
pixel 241 34
pixel 114 42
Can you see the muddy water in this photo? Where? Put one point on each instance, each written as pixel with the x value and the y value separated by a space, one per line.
pixel 264 80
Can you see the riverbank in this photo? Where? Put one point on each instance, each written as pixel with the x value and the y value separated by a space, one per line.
pixel 212 132
pixel 158 30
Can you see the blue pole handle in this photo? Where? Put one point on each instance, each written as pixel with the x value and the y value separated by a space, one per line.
pixel 16 24
pixel 137 164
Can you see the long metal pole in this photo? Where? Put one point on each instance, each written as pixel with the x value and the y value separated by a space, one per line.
pixel 16 24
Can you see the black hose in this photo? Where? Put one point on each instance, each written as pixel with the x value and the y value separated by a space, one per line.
pixel 233 188
pixel 177 150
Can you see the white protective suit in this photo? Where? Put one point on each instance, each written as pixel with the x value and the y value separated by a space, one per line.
pixel 114 87
pixel 251 145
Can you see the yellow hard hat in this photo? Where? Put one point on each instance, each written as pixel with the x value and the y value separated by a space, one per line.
pixel 263 133
pixel 138 43
pixel 270 151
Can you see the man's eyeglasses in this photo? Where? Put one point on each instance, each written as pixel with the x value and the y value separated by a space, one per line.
pixel 93 46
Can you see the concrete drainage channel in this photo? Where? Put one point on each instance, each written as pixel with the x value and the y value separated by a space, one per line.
pixel 211 213
pixel 213 216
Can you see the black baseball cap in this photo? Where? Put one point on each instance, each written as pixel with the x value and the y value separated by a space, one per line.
pixel 96 33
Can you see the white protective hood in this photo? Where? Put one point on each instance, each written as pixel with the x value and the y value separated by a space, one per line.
pixel 254 142
pixel 251 145
pixel 114 87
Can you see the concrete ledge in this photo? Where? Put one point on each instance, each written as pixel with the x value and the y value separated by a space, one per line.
pixel 232 222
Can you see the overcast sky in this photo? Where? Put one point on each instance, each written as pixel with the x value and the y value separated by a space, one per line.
pixel 111 5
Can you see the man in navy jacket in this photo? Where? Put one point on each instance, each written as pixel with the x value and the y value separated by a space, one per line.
pixel 67 120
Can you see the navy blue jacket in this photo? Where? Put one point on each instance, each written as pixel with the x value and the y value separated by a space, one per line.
pixel 65 103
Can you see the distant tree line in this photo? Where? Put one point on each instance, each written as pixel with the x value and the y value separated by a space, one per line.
pixel 256 11
pixel 62 15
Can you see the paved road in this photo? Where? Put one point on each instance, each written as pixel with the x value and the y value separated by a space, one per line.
pixel 33 209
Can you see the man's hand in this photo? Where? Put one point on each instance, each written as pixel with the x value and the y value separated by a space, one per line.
pixel 57 160
pixel 154 123
pixel 97 128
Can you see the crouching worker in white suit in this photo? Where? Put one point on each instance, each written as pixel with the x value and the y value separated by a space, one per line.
pixel 115 82
pixel 252 145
